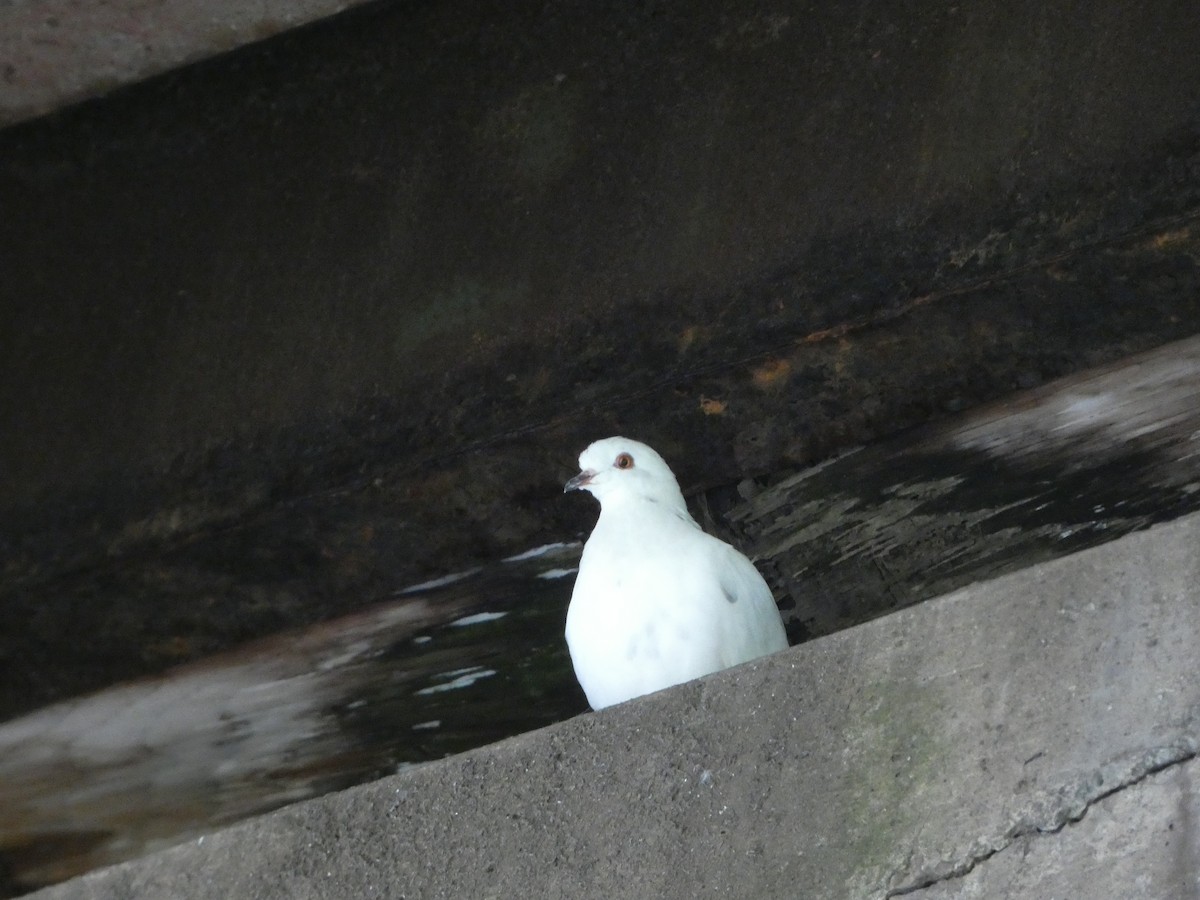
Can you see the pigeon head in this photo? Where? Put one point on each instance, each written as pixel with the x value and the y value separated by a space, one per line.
pixel 617 469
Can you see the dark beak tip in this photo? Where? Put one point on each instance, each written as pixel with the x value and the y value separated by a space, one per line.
pixel 579 481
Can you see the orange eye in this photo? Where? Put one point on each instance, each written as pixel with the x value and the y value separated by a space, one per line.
pixel 624 461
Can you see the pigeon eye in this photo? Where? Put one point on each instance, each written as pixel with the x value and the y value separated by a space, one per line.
pixel 624 461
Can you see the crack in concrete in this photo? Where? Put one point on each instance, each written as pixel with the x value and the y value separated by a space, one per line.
pixel 1066 806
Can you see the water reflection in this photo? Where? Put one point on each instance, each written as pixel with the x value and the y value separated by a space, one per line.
pixel 451 664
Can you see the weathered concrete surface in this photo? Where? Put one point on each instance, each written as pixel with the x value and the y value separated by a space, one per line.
pixel 1054 711
pixel 334 312
pixel 54 52
pixel 1140 842
pixel 472 221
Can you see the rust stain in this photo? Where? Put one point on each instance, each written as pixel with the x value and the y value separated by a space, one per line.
pixel 711 406
pixel 176 647
pixel 1170 238
pixel 771 373
pixel 687 338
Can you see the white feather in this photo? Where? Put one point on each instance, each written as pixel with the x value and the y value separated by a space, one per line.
pixel 657 601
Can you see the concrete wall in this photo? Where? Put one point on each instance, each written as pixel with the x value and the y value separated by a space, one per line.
pixel 1034 736
pixel 273 237
pixel 394 269
pixel 428 250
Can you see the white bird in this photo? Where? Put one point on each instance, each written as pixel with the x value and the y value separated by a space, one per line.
pixel 657 601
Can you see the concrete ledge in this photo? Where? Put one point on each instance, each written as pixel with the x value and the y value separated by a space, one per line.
pixel 57 52
pixel 1142 840
pixel 1040 730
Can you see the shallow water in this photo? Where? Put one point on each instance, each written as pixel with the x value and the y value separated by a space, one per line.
pixel 448 665
pixel 477 655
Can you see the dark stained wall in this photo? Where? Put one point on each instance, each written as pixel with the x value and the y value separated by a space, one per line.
pixel 335 313
pixel 344 211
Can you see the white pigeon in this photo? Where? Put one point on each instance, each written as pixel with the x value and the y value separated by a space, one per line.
pixel 657 601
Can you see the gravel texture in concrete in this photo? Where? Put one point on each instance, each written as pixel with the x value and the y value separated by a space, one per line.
pixel 1040 730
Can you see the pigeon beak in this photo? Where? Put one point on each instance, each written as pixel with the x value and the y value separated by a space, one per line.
pixel 580 481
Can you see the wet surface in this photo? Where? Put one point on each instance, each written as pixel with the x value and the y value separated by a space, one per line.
pixel 444 667
pixel 1047 472
pixel 473 656
pixel 251 539
pixel 282 250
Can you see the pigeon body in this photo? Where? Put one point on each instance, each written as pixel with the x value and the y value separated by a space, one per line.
pixel 657 601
